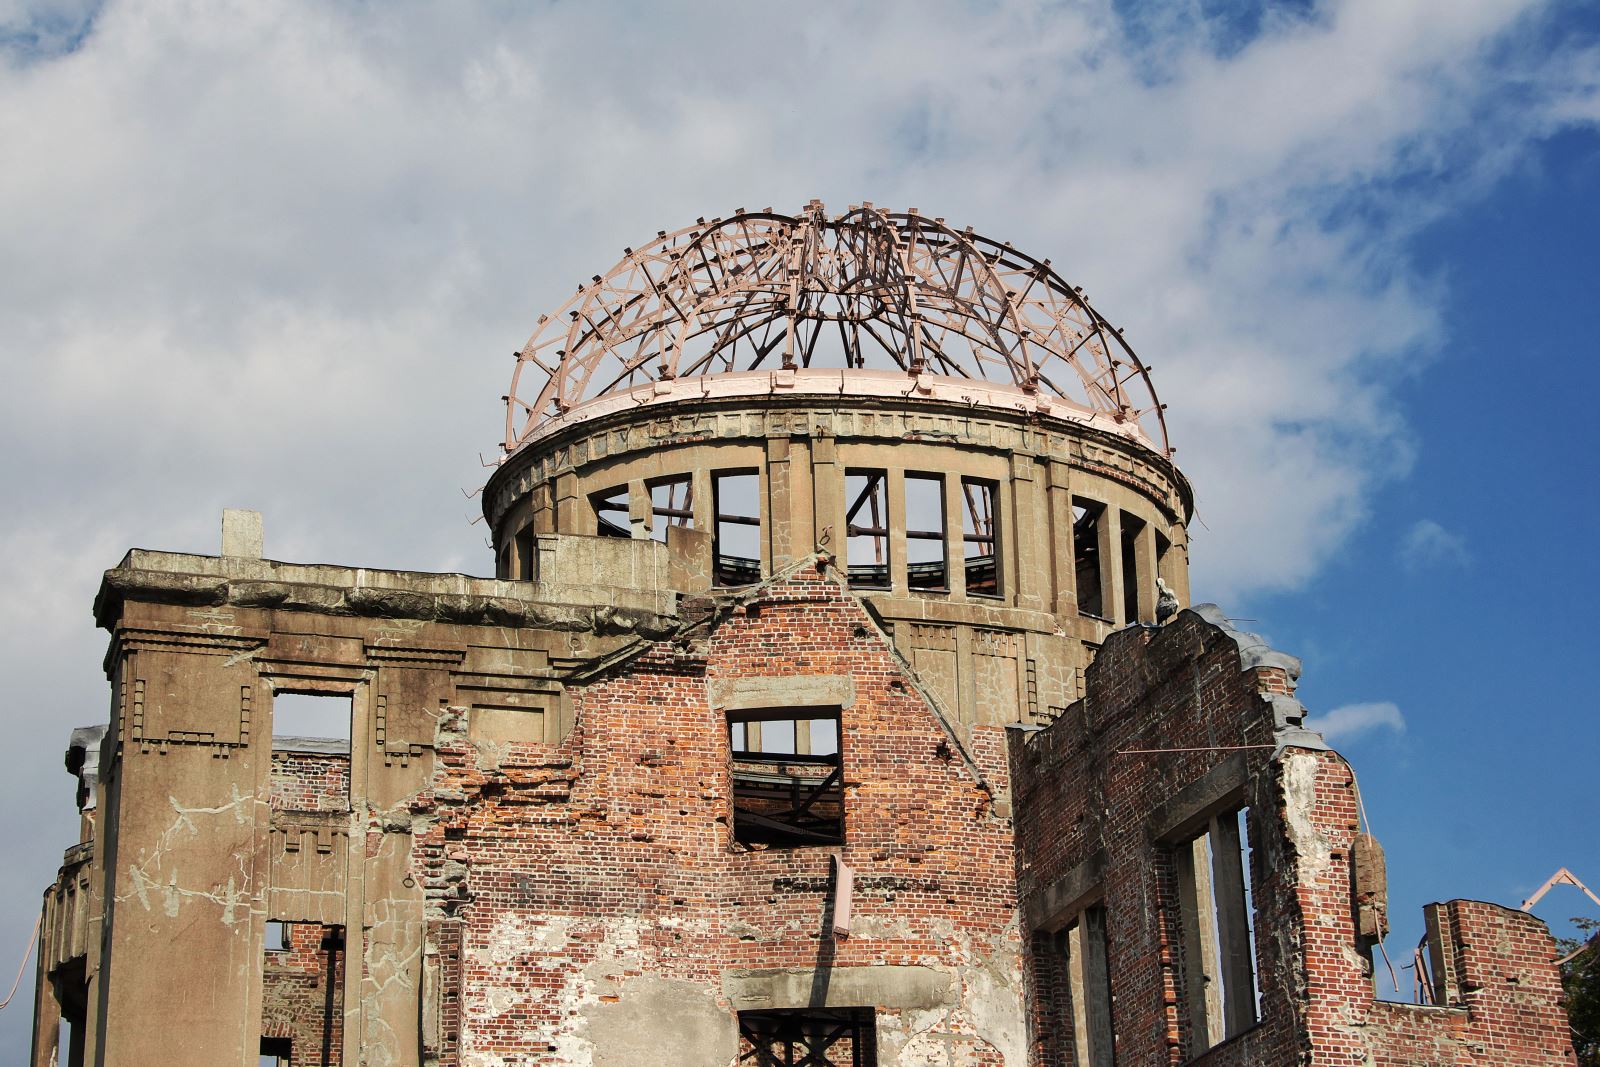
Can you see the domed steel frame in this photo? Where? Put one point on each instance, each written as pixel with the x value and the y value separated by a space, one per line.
pixel 866 290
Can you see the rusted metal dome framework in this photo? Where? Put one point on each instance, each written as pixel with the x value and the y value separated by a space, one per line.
pixel 866 290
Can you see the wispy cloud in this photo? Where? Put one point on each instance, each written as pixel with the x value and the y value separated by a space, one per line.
pixel 1351 721
pixel 1427 544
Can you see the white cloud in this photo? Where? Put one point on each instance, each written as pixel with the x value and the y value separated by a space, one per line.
pixel 1427 544
pixel 277 254
pixel 1350 721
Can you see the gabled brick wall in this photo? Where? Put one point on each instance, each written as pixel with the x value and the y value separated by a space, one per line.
pixel 588 879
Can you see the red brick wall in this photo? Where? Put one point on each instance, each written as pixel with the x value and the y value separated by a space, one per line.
pixel 618 845
pixel 1080 787
pixel 310 781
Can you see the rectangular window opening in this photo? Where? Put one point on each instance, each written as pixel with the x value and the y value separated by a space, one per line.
pixel 788 786
pixel 1131 578
pixel 1082 965
pixel 816 1037
pixel 1086 519
pixel 304 985
pixel 927 564
pixel 671 504
pixel 736 533
pixel 980 537
pixel 866 519
pixel 311 751
pixel 1218 917
pixel 611 512
pixel 524 557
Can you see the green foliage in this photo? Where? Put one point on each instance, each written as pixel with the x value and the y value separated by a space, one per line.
pixel 1580 978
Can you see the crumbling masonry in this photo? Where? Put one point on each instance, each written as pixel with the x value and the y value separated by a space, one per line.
pixel 832 704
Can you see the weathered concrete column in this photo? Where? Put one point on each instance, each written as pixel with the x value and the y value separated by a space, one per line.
pixel 895 520
pixel 1063 560
pixel 1144 566
pixel 1029 536
pixel 1111 589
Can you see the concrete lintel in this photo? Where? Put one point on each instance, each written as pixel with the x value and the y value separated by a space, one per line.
pixel 1185 813
pixel 896 987
pixel 782 691
pixel 1054 906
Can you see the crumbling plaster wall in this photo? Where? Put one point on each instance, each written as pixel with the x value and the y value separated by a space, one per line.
pixel 601 906
pixel 194 857
pixel 1197 718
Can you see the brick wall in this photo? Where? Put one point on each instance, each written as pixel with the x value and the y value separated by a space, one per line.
pixel 584 873
pixel 1099 816
pixel 310 781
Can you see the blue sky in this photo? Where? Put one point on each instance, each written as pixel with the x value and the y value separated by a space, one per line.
pixel 276 255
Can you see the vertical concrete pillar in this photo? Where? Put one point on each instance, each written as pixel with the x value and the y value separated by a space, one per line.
pixel 1063 560
pixel 1144 566
pixel 639 509
pixel 777 543
pixel 827 494
pixel 1028 539
pixel 895 519
pixel 191 910
pixel 1111 588
pixel 955 548
pixel 568 513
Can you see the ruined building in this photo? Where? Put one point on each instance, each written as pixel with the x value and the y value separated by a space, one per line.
pixel 836 701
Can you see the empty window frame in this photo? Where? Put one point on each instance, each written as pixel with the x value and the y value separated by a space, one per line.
pixel 1216 911
pixel 813 1037
pixel 1080 964
pixel 980 520
pixel 311 751
pixel 736 533
pixel 1132 529
pixel 611 514
pixel 275 1052
pixel 279 936
pixel 866 519
pixel 788 786
pixel 671 504
pixel 927 561
pixel 321 717
pixel 1087 516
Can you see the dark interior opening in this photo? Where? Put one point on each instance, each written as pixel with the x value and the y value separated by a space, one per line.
pixel 808 1037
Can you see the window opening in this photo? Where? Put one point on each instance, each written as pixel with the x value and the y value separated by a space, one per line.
pixel 1217 914
pixel 735 500
pixel 866 519
pixel 1083 961
pixel 927 566
pixel 979 538
pixel 524 542
pixel 1131 529
pixel 275 1052
pixel 1086 518
pixel 311 717
pixel 788 788
pixel 278 936
pixel 671 504
pixel 611 514
pixel 808 1037
pixel 311 751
